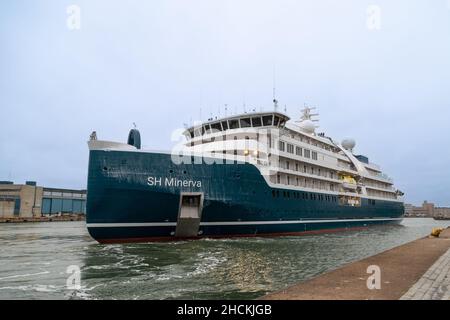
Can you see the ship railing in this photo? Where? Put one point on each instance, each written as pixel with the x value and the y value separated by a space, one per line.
pixel 391 188
pixel 374 165
pixel 345 166
pixel 382 176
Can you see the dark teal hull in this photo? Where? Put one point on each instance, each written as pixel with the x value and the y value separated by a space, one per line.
pixel 122 207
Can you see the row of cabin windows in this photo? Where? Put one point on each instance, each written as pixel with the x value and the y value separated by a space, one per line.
pixel 307 183
pixel 289 148
pixel 377 184
pixel 304 196
pixel 224 138
pixel 314 142
pixel 269 120
pixel 312 170
pixel 381 194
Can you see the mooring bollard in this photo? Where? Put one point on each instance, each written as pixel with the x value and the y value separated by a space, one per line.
pixel 435 232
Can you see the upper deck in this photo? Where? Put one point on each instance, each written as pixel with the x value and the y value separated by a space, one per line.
pixel 246 120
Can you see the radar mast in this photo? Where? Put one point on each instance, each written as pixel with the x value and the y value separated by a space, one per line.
pixel 308 115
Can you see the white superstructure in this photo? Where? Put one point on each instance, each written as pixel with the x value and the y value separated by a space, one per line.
pixel 293 156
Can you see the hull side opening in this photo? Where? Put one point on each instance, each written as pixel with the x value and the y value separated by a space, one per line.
pixel 189 215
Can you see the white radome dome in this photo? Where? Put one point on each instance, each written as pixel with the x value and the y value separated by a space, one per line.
pixel 307 126
pixel 348 144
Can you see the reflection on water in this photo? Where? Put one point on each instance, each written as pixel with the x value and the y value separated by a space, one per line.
pixel 34 258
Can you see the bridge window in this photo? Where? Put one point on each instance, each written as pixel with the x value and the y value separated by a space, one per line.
pixel 256 122
pixel 216 127
pixel 234 124
pixel 298 151
pixel 276 120
pixel 267 120
pixel 281 145
pixel 225 125
pixel 314 155
pixel 245 123
pixel 307 153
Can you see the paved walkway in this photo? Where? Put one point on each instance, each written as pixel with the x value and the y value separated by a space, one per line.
pixel 434 284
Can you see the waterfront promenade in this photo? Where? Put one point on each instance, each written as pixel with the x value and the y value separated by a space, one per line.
pixel 417 270
pixel 435 283
pixel 54 218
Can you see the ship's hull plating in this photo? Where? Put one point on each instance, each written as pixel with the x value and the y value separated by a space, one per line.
pixel 135 196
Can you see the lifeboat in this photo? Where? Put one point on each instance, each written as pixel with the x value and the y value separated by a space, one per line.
pixel 348 182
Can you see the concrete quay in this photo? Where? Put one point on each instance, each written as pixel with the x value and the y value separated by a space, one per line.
pixel 417 270
pixel 435 283
pixel 71 217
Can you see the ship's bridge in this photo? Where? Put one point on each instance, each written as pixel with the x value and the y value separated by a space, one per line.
pixel 246 120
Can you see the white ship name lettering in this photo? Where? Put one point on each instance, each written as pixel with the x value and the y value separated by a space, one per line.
pixel 173 182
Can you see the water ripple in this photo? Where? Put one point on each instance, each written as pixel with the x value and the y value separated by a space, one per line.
pixel 35 260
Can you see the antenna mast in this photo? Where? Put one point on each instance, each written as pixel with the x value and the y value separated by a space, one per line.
pixel 275 101
pixel 273 83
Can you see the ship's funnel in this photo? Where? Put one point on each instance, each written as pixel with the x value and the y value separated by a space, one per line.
pixel 134 138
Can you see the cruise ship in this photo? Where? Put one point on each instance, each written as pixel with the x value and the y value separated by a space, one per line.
pixel 252 174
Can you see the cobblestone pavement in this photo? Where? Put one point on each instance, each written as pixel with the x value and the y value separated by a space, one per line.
pixel 434 284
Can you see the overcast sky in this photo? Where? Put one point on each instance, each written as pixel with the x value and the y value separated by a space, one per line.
pixel 383 80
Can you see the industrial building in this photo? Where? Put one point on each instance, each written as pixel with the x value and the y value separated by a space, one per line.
pixel 427 210
pixel 32 201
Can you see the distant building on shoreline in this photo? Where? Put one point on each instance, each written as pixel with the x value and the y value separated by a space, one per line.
pixel 31 201
pixel 427 210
